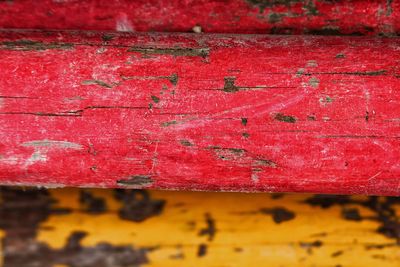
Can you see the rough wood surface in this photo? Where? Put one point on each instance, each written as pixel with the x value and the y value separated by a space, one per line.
pixel 228 16
pixel 200 112
pixel 107 228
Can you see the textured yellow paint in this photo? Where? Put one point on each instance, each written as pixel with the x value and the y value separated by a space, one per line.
pixel 244 236
pixel 1 248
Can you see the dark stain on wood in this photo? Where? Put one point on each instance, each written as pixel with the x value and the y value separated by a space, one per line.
pixel 210 229
pixel 202 250
pixel 309 246
pixel 383 209
pixel 327 201
pixel 92 204
pixel 137 205
pixel 73 254
pixel 277 195
pixel 279 214
pixel 337 253
pixel 351 214
pixel 22 211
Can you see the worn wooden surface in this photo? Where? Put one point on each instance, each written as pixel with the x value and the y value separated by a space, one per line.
pixel 228 16
pixel 200 112
pixel 108 228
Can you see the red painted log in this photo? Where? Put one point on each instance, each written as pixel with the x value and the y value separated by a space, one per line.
pixel 200 112
pixel 226 16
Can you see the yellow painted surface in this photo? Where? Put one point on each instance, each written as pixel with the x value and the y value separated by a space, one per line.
pixel 1 247
pixel 244 236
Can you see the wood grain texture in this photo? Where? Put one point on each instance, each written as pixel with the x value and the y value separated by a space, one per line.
pixel 90 228
pixel 227 16
pixel 200 112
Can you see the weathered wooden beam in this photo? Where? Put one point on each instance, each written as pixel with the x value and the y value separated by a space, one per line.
pixel 200 112
pixel 228 16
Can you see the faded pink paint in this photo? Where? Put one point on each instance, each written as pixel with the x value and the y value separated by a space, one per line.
pixel 200 112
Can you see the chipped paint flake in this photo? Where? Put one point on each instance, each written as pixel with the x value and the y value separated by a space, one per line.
pixel 37 156
pixel 52 144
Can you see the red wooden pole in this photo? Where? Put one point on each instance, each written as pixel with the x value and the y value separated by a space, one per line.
pixel 226 16
pixel 200 112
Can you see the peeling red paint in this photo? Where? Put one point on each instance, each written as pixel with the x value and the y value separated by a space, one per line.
pixel 227 16
pixel 309 114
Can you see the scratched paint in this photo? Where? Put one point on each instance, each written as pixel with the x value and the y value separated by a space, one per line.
pixel 200 112
pixel 378 17
pixel 161 228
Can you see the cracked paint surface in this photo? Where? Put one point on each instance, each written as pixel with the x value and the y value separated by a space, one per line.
pixel 321 17
pixel 200 112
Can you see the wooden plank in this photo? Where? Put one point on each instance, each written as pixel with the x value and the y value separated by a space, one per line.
pixel 227 16
pixel 91 228
pixel 209 112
